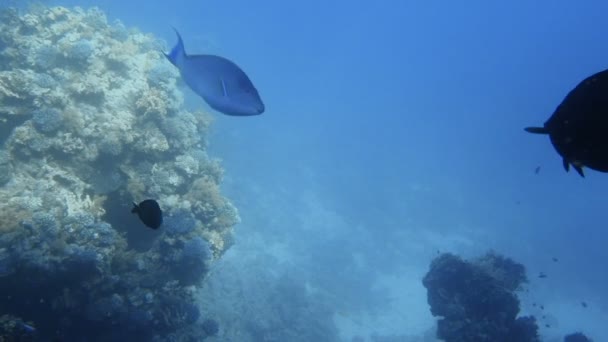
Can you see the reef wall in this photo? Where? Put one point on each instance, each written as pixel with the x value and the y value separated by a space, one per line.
pixel 91 119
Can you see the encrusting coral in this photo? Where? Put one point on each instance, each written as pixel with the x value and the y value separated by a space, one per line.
pixel 91 120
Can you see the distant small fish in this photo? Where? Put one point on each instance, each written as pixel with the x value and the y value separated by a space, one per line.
pixel 219 81
pixel 542 275
pixel 534 304
pixel 555 259
pixel 149 213
pixel 537 170
pixel 547 325
pixel 584 304
pixel 542 307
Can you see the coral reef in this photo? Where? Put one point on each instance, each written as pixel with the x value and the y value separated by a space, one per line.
pixel 91 120
pixel 577 337
pixel 15 329
pixel 475 300
pixel 255 297
pixel 5 167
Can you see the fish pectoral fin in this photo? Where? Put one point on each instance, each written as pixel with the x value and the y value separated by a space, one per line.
pixel 223 88
pixel 578 168
pixel 537 130
pixel 575 165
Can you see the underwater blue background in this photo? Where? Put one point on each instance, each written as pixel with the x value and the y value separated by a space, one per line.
pixel 393 130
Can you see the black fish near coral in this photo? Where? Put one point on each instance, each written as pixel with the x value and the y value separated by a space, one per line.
pixel 578 128
pixel 149 213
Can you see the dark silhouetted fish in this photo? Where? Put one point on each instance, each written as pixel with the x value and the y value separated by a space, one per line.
pixel 537 170
pixel 584 304
pixel 149 213
pixel 221 83
pixel 578 128
pixel 542 275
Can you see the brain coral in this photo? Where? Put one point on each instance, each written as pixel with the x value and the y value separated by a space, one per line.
pixel 91 120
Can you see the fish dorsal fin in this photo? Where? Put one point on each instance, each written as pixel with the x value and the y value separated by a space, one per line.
pixel 537 130
pixel 178 53
pixel 135 208
pixel 223 87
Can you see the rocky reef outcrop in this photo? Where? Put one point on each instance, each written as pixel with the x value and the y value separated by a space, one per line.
pixel 577 337
pixel 90 121
pixel 476 300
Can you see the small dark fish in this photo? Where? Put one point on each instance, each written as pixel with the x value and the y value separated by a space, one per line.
pixel 555 259
pixel 149 213
pixel 542 307
pixel 534 304
pixel 542 275
pixel 537 170
pixel 547 325
pixel 578 128
pixel 220 82
pixel 584 304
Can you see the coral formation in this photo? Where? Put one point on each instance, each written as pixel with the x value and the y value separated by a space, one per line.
pixel 91 120
pixel 211 327
pixel 15 329
pixel 46 121
pixel 476 301
pixel 5 167
pixel 577 337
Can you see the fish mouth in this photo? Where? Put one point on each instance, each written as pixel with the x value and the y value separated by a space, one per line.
pixel 260 109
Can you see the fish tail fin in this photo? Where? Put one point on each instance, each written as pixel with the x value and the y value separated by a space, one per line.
pixel 135 208
pixel 178 52
pixel 537 130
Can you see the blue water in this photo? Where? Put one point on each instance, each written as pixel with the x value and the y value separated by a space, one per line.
pixel 392 130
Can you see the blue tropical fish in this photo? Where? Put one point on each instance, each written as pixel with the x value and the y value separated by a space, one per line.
pixel 221 83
